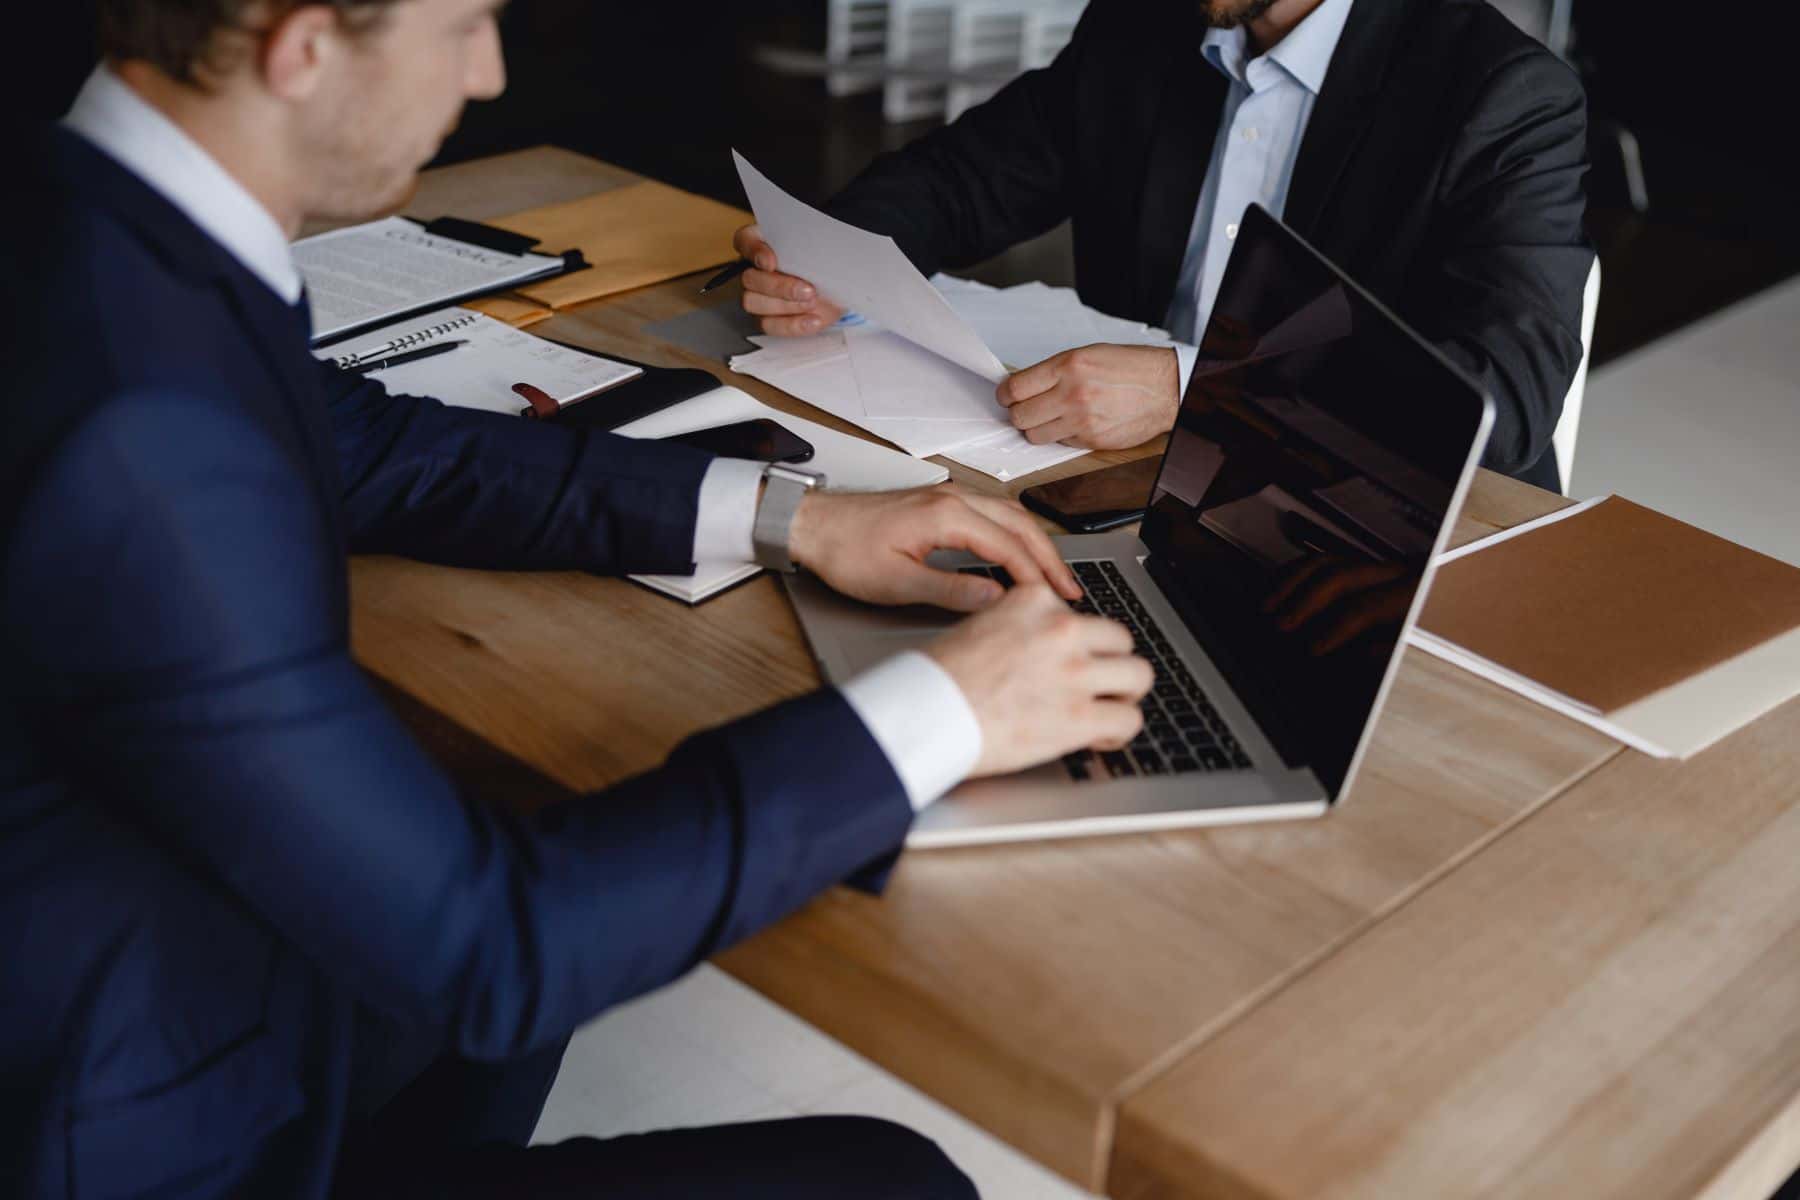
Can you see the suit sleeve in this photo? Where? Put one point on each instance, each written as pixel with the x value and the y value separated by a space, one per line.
pixel 480 489
pixel 173 596
pixel 1508 257
pixel 998 175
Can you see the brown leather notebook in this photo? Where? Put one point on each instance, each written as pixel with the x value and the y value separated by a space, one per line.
pixel 1612 604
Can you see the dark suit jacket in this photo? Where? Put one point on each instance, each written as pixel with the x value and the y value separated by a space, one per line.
pixel 219 853
pixel 1442 168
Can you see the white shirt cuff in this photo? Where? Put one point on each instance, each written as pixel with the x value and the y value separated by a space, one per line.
pixel 727 511
pixel 922 722
pixel 1185 357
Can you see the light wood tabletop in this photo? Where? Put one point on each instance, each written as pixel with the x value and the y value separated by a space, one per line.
pixel 1411 996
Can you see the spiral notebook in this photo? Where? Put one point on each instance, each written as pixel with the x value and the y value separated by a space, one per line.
pixel 483 372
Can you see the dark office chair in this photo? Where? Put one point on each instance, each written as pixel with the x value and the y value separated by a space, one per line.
pixel 1552 23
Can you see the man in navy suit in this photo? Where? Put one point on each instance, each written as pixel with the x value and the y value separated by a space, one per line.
pixel 255 942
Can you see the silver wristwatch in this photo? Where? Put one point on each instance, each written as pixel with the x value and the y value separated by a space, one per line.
pixel 783 489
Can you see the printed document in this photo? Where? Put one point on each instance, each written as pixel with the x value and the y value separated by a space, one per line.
pixel 371 274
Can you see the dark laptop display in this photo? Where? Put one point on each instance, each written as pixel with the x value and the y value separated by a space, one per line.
pixel 1311 470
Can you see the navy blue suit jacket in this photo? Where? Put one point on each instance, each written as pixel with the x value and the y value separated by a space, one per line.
pixel 219 851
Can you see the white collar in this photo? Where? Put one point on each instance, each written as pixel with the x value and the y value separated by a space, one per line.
pixel 1305 53
pixel 141 139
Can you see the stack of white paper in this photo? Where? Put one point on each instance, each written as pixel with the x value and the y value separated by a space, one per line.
pixel 921 363
pixel 1026 324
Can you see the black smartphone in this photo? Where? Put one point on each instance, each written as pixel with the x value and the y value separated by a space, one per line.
pixel 761 439
pixel 1103 499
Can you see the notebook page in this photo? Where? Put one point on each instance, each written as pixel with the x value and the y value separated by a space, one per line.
pixel 482 373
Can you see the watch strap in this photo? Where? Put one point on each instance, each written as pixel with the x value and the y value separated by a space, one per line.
pixel 783 490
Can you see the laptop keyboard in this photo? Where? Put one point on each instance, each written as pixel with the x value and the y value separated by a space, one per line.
pixel 1183 733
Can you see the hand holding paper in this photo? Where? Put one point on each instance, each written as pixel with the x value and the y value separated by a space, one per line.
pixel 863 272
pixel 923 370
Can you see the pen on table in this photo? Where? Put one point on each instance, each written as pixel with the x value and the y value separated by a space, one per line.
pixel 409 356
pixel 726 276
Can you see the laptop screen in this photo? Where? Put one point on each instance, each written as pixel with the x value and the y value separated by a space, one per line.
pixel 1312 467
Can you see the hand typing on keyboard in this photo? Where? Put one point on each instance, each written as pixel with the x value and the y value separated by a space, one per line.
pixel 1180 730
pixel 1043 681
pixel 873 545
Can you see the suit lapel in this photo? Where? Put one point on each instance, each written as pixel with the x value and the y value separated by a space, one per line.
pixel 273 329
pixel 1187 121
pixel 1346 103
pixel 281 342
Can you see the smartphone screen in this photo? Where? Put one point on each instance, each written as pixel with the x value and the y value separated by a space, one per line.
pixel 762 440
pixel 1099 499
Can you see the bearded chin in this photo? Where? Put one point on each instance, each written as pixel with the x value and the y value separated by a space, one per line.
pixel 1230 14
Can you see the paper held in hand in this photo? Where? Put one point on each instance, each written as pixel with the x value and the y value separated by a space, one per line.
pixel 865 273
pixel 919 362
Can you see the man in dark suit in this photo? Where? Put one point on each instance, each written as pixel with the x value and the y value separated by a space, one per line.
pixel 255 942
pixel 1426 146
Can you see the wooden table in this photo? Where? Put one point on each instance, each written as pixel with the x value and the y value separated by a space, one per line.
pixel 1517 959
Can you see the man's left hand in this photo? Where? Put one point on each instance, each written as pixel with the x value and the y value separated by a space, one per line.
pixel 1096 397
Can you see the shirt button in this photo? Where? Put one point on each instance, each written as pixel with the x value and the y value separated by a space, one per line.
pixel 1231 232
pixel 1252 133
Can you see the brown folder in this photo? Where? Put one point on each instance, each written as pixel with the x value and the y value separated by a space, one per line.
pixel 512 308
pixel 632 236
pixel 1613 604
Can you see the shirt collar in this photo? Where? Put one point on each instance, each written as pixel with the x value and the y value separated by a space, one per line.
pixel 131 131
pixel 1305 54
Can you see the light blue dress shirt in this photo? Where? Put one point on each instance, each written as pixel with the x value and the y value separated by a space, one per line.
pixel 1267 107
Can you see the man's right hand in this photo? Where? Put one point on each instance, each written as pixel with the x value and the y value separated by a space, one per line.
pixel 1042 680
pixel 788 305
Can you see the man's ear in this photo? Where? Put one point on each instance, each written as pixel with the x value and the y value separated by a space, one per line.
pixel 298 50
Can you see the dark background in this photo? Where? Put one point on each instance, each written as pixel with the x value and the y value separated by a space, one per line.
pixel 666 88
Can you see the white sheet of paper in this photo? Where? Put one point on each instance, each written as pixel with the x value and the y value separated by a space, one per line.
pixel 1007 454
pixel 863 272
pixel 898 378
pixel 993 448
pixel 1032 322
pixel 1023 335
pixel 830 384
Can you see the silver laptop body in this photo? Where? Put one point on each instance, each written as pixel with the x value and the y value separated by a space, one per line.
pixel 1322 449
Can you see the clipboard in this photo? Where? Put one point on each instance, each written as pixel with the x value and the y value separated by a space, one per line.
pixel 331 275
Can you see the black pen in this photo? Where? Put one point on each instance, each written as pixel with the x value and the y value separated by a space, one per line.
pixel 727 275
pixel 409 356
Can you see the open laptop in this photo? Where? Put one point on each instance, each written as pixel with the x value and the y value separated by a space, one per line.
pixel 1320 455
